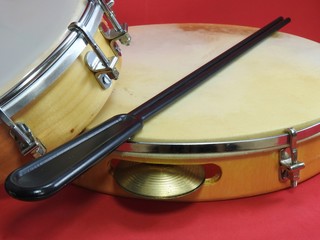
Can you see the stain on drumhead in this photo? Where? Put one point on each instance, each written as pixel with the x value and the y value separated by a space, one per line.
pixel 222 29
pixel 217 28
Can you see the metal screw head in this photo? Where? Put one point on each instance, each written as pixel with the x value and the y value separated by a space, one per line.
pixel 104 80
pixel 125 39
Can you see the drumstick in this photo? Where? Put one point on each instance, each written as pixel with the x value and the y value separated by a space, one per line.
pixel 48 174
pixel 216 62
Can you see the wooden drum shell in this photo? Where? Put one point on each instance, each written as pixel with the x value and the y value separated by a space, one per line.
pixel 61 112
pixel 241 175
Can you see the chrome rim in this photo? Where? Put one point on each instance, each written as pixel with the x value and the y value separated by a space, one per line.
pixel 223 147
pixel 42 76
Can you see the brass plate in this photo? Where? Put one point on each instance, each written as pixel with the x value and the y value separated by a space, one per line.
pixel 159 181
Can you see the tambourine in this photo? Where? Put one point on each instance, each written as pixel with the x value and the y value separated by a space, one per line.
pixel 59 62
pixel 251 129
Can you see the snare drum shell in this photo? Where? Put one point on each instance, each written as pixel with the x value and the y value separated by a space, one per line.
pixel 61 112
pixel 69 105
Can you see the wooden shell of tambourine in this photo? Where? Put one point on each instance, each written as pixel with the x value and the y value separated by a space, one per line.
pixel 273 87
pixel 61 112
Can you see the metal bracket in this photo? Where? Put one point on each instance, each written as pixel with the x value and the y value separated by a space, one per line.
pixel 103 68
pixel 27 143
pixel 289 165
pixel 95 65
pixel 119 31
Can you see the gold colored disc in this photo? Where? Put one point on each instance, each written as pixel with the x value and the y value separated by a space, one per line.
pixel 159 181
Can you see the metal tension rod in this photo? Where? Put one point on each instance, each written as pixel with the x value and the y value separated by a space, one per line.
pixel 48 174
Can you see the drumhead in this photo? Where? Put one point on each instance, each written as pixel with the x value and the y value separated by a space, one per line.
pixel 30 31
pixel 269 89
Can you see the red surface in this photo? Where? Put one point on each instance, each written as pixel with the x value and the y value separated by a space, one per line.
pixel 76 213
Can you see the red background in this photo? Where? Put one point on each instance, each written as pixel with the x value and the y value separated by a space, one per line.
pixel 305 14
pixel 76 213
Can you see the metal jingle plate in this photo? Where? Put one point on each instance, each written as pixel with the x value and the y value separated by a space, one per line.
pixel 159 181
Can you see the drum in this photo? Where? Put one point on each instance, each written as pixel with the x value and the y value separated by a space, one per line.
pixel 56 73
pixel 253 128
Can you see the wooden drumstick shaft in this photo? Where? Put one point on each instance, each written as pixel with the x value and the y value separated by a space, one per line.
pixel 48 174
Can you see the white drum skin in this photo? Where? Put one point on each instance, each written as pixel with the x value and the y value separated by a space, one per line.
pixel 30 30
pixel 269 89
pixel 70 103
